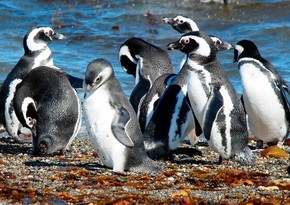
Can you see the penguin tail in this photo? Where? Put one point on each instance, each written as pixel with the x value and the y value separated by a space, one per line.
pixel 245 157
pixel 148 166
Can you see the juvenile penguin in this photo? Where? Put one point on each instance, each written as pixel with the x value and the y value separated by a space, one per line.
pixel 36 53
pixel 146 62
pixel 214 100
pixel 265 94
pixel 47 104
pixel 112 122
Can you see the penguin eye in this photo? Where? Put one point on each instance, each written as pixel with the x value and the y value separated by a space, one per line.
pixel 218 42
pixel 98 79
pixel 186 41
pixel 181 21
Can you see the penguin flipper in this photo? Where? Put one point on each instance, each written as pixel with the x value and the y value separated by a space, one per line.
pixel 120 120
pixel 75 82
pixel 286 98
pixel 214 104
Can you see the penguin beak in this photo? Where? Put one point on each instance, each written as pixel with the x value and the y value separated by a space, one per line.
pixel 57 36
pixel 174 45
pixel 235 56
pixel 86 88
pixel 168 20
pixel 224 46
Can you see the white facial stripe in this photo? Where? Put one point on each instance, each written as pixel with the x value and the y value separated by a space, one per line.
pixel 240 49
pixel 203 49
pixel 31 44
pixel 125 51
pixel 24 106
pixel 182 19
pixel 138 69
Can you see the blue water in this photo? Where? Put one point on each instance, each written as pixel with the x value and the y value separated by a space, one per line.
pixel 88 26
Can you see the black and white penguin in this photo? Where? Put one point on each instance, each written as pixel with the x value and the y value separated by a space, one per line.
pixel 47 104
pixel 112 122
pixel 183 24
pixel 265 94
pixel 172 118
pixel 36 53
pixel 214 100
pixel 146 62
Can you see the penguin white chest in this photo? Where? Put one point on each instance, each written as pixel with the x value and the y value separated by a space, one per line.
pixel 266 114
pixel 98 115
pixel 198 85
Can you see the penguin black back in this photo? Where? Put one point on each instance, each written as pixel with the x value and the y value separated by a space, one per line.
pixel 46 103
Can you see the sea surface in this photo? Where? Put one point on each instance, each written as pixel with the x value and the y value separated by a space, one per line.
pixel 96 29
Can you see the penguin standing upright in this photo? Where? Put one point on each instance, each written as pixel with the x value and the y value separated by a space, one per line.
pixel 36 53
pixel 172 119
pixel 265 94
pixel 146 62
pixel 47 104
pixel 112 122
pixel 214 100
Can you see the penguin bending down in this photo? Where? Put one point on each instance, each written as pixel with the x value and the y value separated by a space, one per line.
pixel 47 104
pixel 112 122
pixel 36 53
pixel 146 63
pixel 215 102
pixel 265 94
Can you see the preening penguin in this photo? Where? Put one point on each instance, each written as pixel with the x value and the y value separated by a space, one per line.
pixel 112 122
pixel 213 98
pixel 146 62
pixel 47 104
pixel 36 53
pixel 265 94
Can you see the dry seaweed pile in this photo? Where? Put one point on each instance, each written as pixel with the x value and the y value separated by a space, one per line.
pixel 78 178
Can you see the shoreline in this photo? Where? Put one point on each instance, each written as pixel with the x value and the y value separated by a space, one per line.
pixel 79 178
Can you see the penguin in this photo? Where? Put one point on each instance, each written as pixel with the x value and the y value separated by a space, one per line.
pixel 36 53
pixel 112 122
pixel 47 104
pixel 214 101
pixel 265 94
pixel 183 24
pixel 172 118
pixel 146 62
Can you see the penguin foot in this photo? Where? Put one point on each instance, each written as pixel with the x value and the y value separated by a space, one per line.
pixel 189 151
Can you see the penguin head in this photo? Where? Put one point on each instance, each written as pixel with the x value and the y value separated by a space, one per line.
pixel 221 45
pixel 182 24
pixel 245 48
pixel 129 54
pixel 195 44
pixel 48 145
pixel 97 73
pixel 38 38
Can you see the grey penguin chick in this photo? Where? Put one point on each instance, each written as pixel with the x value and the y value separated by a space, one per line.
pixel 112 122
pixel 146 62
pixel 36 53
pixel 47 104
pixel 265 94
pixel 214 100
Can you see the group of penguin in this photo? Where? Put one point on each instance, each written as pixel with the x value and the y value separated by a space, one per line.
pixel 39 102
